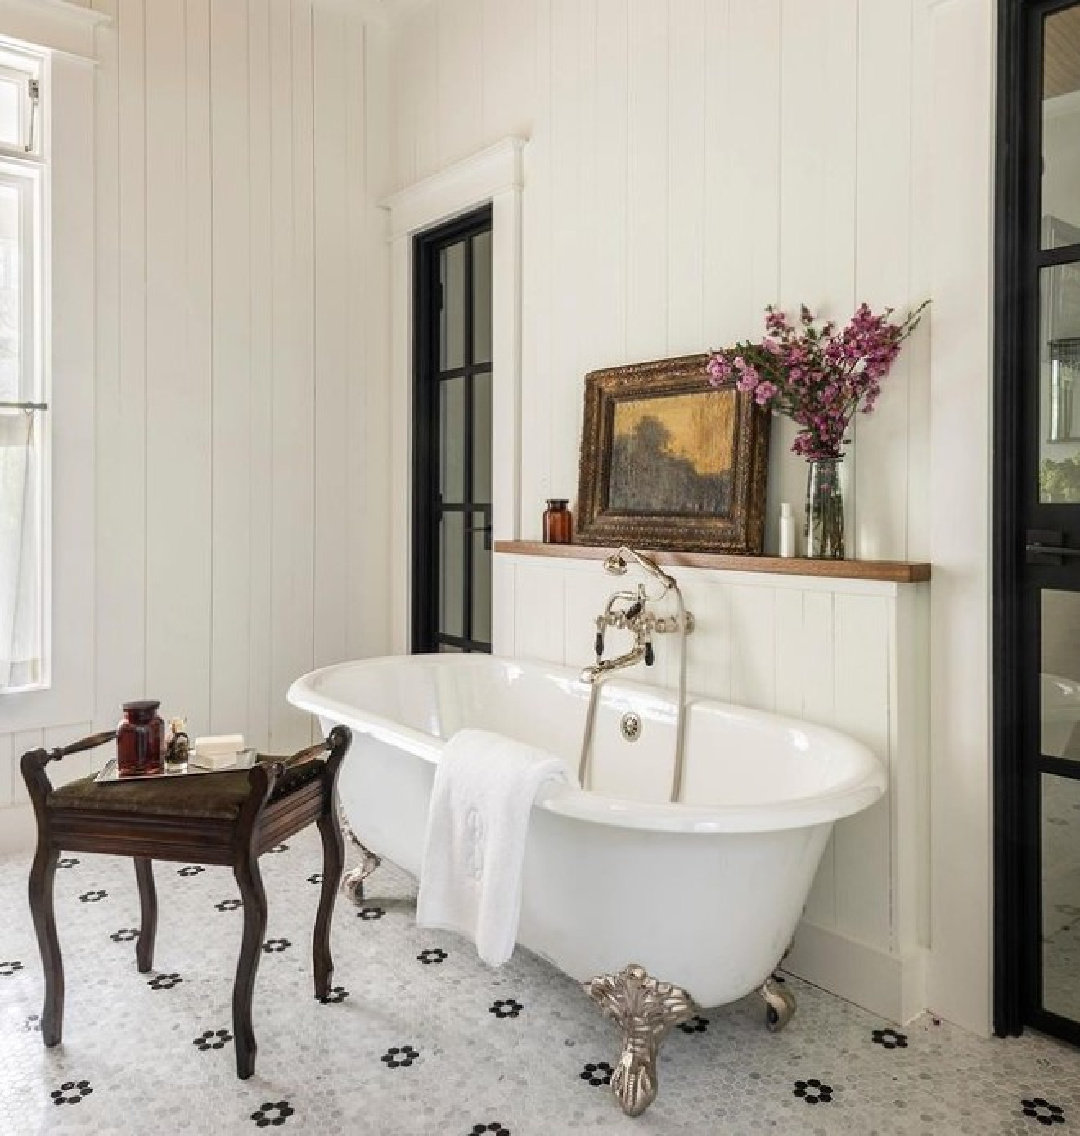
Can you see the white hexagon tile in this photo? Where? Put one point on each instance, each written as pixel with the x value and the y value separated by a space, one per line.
pixel 419 1037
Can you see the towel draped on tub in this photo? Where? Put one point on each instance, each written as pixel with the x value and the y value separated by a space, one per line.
pixel 474 847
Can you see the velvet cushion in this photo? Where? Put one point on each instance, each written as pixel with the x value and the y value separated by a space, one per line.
pixel 213 795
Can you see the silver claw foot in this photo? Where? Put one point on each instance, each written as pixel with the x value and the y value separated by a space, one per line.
pixel 645 1010
pixel 779 1005
pixel 352 883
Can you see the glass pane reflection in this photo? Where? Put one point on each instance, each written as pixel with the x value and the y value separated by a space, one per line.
pixel 1061 129
pixel 1060 674
pixel 452 575
pixel 1061 895
pixel 452 314
pixel 1059 385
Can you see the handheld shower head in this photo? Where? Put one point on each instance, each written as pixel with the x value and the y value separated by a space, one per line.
pixel 615 565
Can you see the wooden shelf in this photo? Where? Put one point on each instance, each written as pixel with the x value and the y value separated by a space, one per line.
pixel 894 571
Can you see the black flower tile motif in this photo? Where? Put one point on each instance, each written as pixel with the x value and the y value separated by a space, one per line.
pixel 813 1091
pixel 191 870
pixel 33 1023
pixel 432 956
pixel 337 994
pixel 92 896
pixel 889 1039
pixel 696 1024
pixel 275 946
pixel 273 1113
pixel 496 1127
pixel 315 878
pixel 164 981
pixel 506 1008
pixel 212 1039
pixel 597 1073
pixel 278 848
pixel 229 904
pixel 67 862
pixel 7 969
pixel 368 913
pixel 124 935
pixel 71 1092
pixel 1043 1111
pixel 399 1056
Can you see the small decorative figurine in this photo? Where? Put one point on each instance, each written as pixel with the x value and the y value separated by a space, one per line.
pixel 176 754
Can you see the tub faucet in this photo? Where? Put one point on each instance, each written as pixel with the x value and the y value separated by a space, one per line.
pixel 641 651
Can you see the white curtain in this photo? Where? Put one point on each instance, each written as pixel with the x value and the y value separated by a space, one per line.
pixel 19 518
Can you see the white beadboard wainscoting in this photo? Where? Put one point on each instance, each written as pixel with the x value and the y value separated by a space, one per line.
pixel 845 653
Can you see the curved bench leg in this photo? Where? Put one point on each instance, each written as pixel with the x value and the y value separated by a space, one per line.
pixel 144 948
pixel 249 880
pixel 333 862
pixel 42 874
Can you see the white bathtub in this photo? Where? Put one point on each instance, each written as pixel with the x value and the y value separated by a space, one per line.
pixel 705 894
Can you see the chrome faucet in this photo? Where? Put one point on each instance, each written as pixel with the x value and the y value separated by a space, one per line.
pixel 633 617
pixel 630 619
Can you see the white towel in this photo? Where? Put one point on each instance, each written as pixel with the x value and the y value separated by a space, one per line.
pixel 474 848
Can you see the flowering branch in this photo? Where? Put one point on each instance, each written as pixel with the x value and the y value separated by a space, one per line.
pixel 818 375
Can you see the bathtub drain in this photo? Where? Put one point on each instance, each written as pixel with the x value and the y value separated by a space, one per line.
pixel 630 727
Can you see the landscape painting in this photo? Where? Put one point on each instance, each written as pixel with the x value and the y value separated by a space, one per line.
pixel 673 455
pixel 670 462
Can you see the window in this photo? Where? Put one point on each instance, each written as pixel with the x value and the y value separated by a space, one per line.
pixel 23 374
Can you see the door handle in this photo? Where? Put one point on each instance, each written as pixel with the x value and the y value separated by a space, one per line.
pixel 1044 546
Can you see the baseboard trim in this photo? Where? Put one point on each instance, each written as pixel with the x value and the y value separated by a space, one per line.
pixel 18 833
pixel 892 987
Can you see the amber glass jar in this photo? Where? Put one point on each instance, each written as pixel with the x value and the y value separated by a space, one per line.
pixel 140 739
pixel 558 522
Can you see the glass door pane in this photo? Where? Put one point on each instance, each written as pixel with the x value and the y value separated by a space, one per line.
pixel 1060 841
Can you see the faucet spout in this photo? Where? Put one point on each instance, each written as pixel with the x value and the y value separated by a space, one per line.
pixel 598 671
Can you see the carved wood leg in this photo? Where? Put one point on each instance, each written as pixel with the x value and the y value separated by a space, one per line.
pixel 42 873
pixel 249 880
pixel 333 846
pixel 144 948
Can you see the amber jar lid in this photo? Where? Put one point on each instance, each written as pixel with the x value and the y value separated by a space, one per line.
pixel 558 502
pixel 147 706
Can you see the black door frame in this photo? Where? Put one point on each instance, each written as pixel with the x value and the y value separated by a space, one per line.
pixel 1017 262
pixel 425 506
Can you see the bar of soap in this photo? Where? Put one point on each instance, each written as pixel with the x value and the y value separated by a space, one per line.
pixel 218 744
pixel 214 760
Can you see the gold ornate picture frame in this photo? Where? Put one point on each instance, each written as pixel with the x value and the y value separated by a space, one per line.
pixel 669 461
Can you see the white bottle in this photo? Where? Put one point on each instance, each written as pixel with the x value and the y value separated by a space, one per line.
pixel 787 530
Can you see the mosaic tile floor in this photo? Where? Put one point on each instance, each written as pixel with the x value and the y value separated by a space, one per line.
pixel 420 1038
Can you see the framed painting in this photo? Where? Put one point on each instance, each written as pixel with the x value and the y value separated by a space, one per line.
pixel 669 461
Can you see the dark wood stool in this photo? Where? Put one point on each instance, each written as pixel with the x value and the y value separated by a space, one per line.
pixel 220 818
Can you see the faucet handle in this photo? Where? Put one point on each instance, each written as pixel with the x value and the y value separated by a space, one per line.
pixel 650 654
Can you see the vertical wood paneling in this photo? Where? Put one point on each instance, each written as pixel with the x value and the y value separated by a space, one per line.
pixel 333 375
pixel 178 466
pixel 538 286
pixel 863 842
pixel 753 646
pixel 508 67
pixel 686 176
pixel 120 671
pixel 795 655
pixel 883 264
pixel 647 202
pixel 260 429
pixel 569 241
pixel 231 156
pixel 606 343
pixel 461 78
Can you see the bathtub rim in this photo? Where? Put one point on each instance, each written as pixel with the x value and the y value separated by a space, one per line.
pixel 567 799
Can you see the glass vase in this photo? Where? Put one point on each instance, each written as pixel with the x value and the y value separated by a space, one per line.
pixel 825 509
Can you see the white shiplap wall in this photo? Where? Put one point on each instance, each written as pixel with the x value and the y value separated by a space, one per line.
pixel 239 150
pixel 689 162
pixel 238 406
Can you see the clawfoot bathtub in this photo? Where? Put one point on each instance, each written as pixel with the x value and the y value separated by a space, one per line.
pixel 619 884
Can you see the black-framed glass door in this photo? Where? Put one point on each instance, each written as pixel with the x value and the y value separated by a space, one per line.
pixel 452 436
pixel 1037 523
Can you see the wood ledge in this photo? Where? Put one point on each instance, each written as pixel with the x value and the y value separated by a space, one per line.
pixel 890 571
